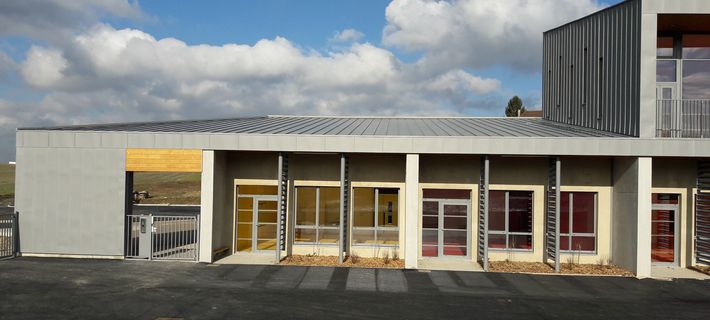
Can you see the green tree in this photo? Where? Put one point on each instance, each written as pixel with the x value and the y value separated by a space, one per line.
pixel 515 105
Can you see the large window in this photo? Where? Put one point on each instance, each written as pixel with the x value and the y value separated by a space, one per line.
pixel 375 216
pixel 684 60
pixel 317 215
pixel 510 220
pixel 696 79
pixel 578 221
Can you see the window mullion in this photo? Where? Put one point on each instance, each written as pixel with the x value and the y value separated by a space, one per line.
pixel 317 214
pixel 570 223
pixel 507 219
pixel 377 213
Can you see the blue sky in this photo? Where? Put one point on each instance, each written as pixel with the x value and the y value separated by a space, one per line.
pixel 72 62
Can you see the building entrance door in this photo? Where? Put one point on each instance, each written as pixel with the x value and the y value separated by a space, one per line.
pixel 256 219
pixel 445 228
pixel 664 227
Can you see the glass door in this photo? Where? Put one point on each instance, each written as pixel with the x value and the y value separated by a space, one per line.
pixel 454 229
pixel 664 224
pixel 445 231
pixel 266 228
pixel 255 218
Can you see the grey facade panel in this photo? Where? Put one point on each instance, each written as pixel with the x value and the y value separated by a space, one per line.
pixel 71 200
pixel 512 145
pixel 591 74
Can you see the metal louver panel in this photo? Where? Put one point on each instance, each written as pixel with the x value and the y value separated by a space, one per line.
pixel 552 213
pixel 344 201
pixel 483 214
pixel 282 205
pixel 702 213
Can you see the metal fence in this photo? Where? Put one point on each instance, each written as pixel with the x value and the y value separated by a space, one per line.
pixel 683 118
pixel 8 235
pixel 162 237
pixel 133 235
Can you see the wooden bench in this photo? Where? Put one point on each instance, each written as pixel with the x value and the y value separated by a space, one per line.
pixel 219 252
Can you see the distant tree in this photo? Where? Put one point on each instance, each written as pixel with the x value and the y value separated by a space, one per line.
pixel 515 107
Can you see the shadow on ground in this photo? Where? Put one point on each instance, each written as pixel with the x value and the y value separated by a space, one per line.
pixel 32 288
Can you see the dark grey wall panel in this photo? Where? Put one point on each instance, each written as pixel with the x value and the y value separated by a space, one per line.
pixel 591 71
pixel 71 200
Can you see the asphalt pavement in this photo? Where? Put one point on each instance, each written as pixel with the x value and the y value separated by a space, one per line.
pixel 36 288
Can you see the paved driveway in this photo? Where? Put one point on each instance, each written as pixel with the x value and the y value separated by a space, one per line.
pixel 34 288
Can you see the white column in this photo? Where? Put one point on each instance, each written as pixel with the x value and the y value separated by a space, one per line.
pixel 631 215
pixel 206 205
pixel 647 88
pixel 643 234
pixel 411 198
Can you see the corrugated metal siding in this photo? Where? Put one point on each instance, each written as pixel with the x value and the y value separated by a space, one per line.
pixel 355 126
pixel 591 71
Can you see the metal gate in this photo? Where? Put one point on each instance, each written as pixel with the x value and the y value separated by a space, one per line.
pixel 162 237
pixel 8 235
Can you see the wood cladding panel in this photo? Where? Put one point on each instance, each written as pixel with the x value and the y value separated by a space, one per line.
pixel 163 160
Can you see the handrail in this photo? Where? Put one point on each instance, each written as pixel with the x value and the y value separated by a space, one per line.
pixel 683 118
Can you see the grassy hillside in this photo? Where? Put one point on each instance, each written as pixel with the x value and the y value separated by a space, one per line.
pixel 173 188
pixel 7 184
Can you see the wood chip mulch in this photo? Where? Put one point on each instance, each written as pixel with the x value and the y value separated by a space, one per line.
pixel 703 269
pixel 539 267
pixel 332 261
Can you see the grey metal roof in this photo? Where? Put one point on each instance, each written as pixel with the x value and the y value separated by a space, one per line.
pixel 356 126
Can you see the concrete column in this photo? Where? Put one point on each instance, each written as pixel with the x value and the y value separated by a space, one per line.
pixel 411 198
pixel 643 258
pixel 206 206
pixel 631 216
pixel 647 87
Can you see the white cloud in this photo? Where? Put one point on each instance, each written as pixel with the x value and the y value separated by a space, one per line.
pixel 458 80
pixel 55 20
pixel 347 35
pixel 478 33
pixel 114 75
pixel 7 65
pixel 44 67
pixel 88 72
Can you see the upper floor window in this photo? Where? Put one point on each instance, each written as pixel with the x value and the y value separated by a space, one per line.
pixel 664 47
pixel 696 46
pixel 666 70
pixel 696 66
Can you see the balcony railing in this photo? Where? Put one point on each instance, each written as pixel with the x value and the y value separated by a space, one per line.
pixel 683 118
